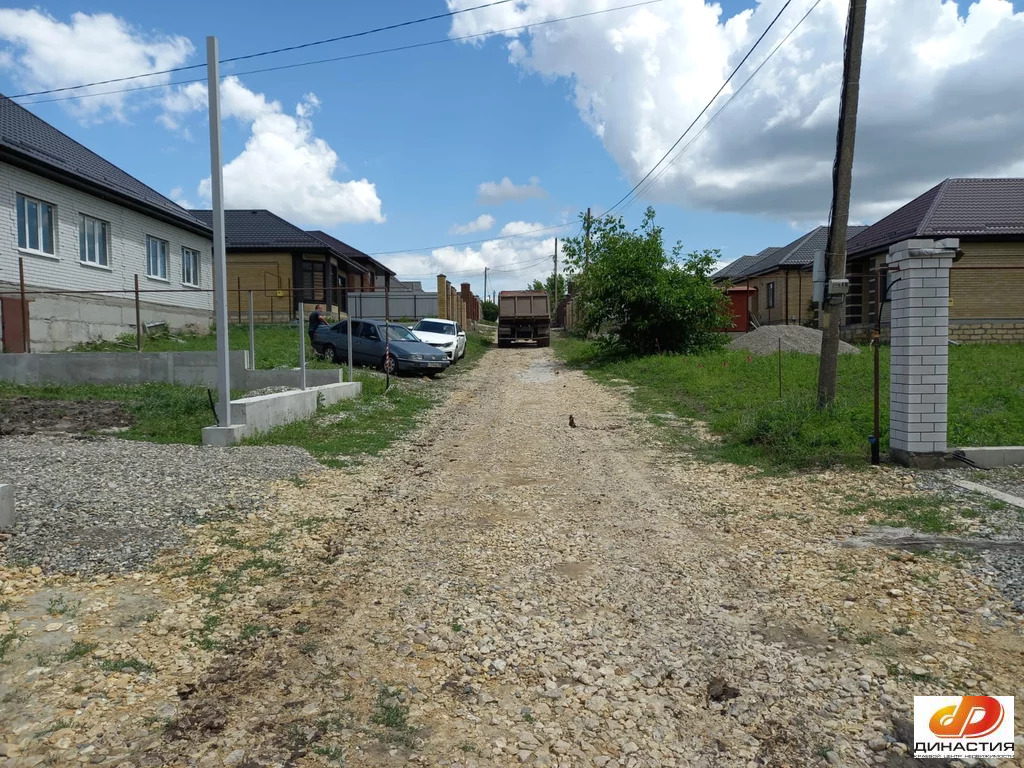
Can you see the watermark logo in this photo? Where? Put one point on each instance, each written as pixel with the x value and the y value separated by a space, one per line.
pixel 963 726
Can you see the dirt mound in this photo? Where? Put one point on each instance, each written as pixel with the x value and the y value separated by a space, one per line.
pixel 795 338
pixel 29 416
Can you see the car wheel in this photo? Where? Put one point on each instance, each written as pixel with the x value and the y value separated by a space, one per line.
pixel 329 353
pixel 390 365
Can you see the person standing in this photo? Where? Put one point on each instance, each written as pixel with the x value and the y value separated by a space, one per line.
pixel 316 319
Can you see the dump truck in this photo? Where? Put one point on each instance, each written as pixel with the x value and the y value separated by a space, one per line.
pixel 524 316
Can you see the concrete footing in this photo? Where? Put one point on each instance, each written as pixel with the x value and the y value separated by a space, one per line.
pixel 991 458
pixel 253 415
pixel 6 506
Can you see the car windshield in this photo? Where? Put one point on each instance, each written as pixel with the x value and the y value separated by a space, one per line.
pixel 400 333
pixel 428 326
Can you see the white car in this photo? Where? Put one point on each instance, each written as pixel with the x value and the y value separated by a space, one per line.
pixel 445 335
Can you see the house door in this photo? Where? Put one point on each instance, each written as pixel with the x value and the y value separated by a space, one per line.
pixel 13 317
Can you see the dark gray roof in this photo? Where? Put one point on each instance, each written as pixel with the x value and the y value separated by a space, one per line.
pixel 260 230
pixel 738 267
pixel 31 143
pixel 991 208
pixel 795 255
pixel 352 253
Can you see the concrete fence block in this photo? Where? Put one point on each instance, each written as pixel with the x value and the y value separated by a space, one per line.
pixel 6 506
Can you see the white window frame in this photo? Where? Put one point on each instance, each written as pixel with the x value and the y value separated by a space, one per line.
pixel 101 234
pixel 22 203
pixel 156 258
pixel 196 258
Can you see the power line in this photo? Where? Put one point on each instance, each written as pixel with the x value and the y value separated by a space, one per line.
pixel 329 60
pixel 271 52
pixel 729 101
pixel 701 114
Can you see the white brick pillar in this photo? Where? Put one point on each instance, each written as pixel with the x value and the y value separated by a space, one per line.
pixel 919 370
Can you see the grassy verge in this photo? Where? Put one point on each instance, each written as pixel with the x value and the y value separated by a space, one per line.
pixel 276 345
pixel 738 397
pixel 341 434
pixel 162 413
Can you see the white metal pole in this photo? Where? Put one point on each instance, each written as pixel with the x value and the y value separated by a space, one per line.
pixel 220 266
pixel 252 336
pixel 348 331
pixel 302 352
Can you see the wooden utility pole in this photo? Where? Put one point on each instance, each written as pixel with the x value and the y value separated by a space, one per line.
pixel 554 280
pixel 485 283
pixel 586 240
pixel 835 251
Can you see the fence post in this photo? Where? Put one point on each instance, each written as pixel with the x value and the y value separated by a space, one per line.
pixel 27 344
pixel 238 297
pixel 348 330
pixel 252 337
pixel 302 353
pixel 138 317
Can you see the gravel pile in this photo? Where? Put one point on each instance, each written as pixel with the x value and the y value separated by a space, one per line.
pixel 102 504
pixel 795 338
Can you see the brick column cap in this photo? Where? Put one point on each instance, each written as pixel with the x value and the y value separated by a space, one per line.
pixel 910 248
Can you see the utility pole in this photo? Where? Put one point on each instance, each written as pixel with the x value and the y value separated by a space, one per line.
pixel 834 307
pixel 554 284
pixel 485 283
pixel 586 241
pixel 220 267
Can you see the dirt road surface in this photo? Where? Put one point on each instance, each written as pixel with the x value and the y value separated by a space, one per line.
pixel 503 589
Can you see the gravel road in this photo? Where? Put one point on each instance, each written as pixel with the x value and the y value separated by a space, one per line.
pixel 503 589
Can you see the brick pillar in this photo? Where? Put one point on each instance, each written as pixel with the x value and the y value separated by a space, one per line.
pixel 442 295
pixel 920 350
pixel 452 295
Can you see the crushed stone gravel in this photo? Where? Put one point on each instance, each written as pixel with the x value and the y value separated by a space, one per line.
pixel 795 338
pixel 88 504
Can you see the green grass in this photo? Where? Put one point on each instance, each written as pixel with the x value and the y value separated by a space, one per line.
pixel 739 400
pixel 276 345
pixel 116 665
pixel 78 650
pixel 163 413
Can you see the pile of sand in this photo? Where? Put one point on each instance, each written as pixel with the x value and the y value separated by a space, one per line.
pixel 795 338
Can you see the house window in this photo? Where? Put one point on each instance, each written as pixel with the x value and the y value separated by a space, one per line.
pixel 36 225
pixel 189 267
pixel 93 240
pixel 156 258
pixel 770 298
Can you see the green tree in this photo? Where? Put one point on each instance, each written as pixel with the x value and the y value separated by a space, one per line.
pixel 537 285
pixel 647 299
pixel 489 310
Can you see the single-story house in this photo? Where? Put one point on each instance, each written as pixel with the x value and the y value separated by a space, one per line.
pixel 986 284
pixel 288 269
pixel 777 281
pixel 377 275
pixel 83 231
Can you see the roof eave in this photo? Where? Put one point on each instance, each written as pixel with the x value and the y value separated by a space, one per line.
pixel 61 176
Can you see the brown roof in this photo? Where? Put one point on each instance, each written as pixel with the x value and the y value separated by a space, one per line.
pixel 990 208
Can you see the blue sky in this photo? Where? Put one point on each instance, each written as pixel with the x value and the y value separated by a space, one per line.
pixel 426 127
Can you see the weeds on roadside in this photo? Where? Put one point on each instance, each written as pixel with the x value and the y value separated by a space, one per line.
pixel 7 642
pixel 119 665
pixel 56 725
pixel 392 713
pixel 60 606
pixel 78 650
pixel 5 606
pixel 203 637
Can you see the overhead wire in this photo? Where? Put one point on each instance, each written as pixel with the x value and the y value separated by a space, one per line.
pixel 315 62
pixel 271 52
pixel 654 180
pixel 704 110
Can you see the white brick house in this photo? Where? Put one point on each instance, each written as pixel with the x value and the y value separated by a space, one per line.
pixel 79 223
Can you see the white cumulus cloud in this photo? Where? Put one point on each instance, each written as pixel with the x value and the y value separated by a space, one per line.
pixel 940 95
pixel 284 167
pixel 44 53
pixel 481 223
pixel 498 192
pixel 519 228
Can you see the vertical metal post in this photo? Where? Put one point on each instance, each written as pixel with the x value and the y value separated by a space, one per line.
pixel 554 286
pixel 26 331
pixel 387 335
pixel 138 317
pixel 348 331
pixel 252 336
pixel 238 297
pixel 220 267
pixel 780 369
pixel 302 353
pixel 876 338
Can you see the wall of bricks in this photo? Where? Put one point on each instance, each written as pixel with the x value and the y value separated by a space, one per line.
pixel 920 348
pixel 987 333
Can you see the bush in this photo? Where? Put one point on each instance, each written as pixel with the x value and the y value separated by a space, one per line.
pixel 490 311
pixel 650 301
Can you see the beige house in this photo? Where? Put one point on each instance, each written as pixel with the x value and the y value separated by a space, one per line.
pixel 986 283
